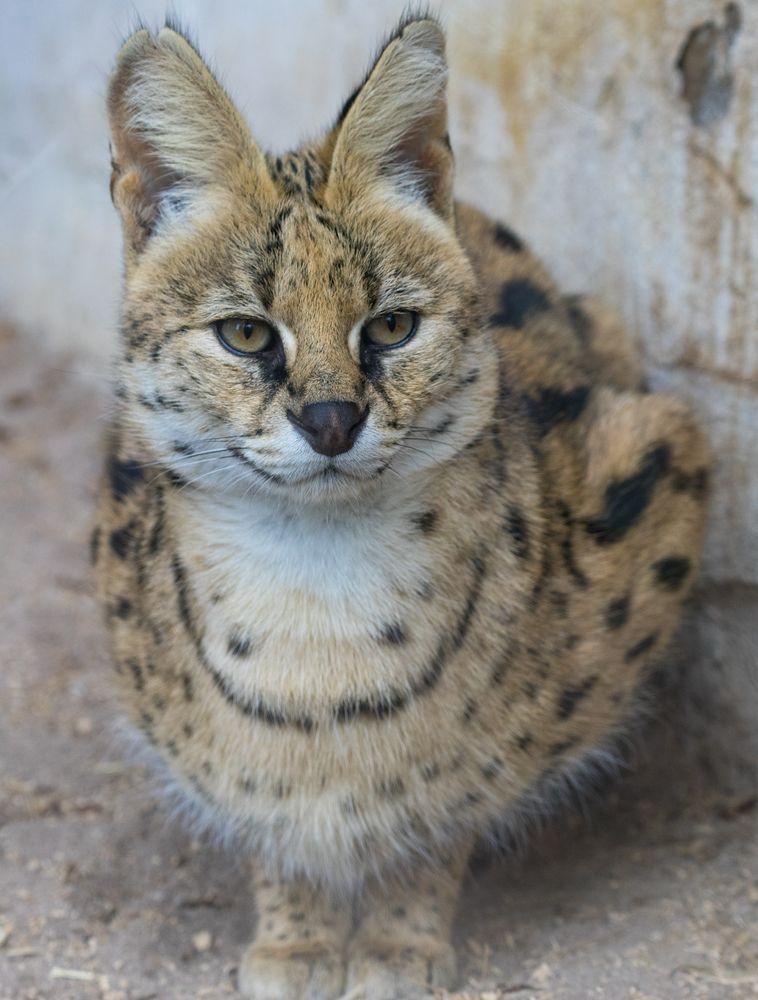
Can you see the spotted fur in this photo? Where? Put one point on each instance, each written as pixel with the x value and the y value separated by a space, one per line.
pixel 362 663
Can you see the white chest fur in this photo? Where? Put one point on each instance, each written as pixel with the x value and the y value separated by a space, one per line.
pixel 299 604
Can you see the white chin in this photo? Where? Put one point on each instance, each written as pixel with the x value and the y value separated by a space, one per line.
pixel 330 484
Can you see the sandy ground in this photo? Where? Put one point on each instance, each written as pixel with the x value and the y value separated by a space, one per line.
pixel 101 896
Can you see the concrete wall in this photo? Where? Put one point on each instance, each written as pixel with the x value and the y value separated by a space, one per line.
pixel 621 136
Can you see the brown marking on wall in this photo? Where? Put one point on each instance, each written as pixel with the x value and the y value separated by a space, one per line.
pixel 705 65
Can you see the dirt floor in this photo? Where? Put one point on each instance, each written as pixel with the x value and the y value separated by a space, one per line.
pixel 102 896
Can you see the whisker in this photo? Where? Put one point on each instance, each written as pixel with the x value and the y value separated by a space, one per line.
pixel 204 475
pixel 192 459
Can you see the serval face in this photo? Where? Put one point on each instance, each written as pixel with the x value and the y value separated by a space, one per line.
pixel 294 325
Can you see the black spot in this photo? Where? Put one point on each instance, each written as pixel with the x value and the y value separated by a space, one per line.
pixel 524 742
pixel 94 545
pixel 188 687
pixel 554 406
pixel 560 601
pixel 617 613
pixel 430 771
pixel 391 789
pixel 136 671
pixel 567 546
pixel 520 299
pixel 425 522
pixel 671 572
pixel 562 746
pixel 395 700
pixel 348 806
pixel 147 403
pixel 386 705
pixel 507 239
pixel 531 690
pixel 546 570
pixel 470 709
pixel 182 596
pixel 161 402
pixel 580 321
pixel 643 646
pixel 394 634
pixel 626 499
pixel 239 645
pixel 499 671
pixel 444 425
pixel 694 483
pixel 491 770
pixel 175 480
pixel 122 608
pixel 121 540
pixel 156 534
pixel 248 784
pixel 469 379
pixel 517 528
pixel 123 476
pixel 570 697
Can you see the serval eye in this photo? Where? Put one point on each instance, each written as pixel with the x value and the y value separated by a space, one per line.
pixel 391 329
pixel 245 336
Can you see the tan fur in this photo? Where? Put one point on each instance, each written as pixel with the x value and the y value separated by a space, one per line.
pixel 359 671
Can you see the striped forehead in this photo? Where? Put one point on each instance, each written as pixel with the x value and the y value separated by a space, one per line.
pixel 318 267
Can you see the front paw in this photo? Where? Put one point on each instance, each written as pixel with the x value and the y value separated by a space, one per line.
pixel 376 973
pixel 291 972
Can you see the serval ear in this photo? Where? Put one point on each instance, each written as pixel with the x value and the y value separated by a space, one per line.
pixel 174 134
pixel 392 133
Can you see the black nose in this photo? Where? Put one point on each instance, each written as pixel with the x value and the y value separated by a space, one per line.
pixel 329 428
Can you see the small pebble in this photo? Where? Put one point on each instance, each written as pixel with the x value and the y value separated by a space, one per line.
pixel 202 940
pixel 83 726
